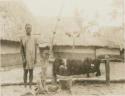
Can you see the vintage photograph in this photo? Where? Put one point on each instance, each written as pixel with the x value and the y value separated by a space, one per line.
pixel 62 47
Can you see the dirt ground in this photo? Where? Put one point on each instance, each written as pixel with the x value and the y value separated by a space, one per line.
pixel 115 89
pixel 15 75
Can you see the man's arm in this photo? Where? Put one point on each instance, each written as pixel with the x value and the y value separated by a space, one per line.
pixel 22 51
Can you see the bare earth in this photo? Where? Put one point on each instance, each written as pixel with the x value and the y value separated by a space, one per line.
pixel 117 89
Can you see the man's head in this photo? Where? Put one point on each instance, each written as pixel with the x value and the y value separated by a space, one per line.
pixel 28 28
pixel 106 56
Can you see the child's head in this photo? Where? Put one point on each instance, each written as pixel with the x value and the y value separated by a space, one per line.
pixel 46 54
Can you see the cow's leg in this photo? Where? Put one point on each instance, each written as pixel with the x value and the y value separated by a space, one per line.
pixel 87 70
pixel 98 73
pixel 98 70
pixel 87 74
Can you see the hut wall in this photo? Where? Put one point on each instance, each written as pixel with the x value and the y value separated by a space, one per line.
pixel 109 51
pixel 8 47
pixel 10 54
pixel 77 53
pixel 83 52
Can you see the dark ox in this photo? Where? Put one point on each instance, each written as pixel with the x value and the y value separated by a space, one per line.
pixel 76 67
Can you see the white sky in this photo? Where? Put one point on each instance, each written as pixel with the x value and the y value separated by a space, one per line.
pixel 88 9
pixel 52 7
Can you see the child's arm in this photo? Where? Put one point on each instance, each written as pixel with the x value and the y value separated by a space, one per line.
pixel 36 46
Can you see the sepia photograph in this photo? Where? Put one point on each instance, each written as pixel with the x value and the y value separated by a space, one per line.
pixel 62 47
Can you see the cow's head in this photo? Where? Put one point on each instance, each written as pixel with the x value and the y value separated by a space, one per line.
pixel 92 65
pixel 95 65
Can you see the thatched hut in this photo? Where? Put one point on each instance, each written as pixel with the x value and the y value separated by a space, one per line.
pixel 13 17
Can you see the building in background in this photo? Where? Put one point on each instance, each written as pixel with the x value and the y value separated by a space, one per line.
pixel 13 17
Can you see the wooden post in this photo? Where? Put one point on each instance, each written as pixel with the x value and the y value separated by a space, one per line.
pixel 73 46
pixel 95 52
pixel 51 57
pixel 107 69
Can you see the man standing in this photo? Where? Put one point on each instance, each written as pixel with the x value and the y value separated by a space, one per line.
pixel 29 54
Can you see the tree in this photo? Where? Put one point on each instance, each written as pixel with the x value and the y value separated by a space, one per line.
pixel 85 26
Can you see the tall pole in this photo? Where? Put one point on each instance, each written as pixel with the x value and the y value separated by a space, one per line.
pixel 73 37
pixel 95 52
pixel 51 46
pixel 123 21
pixel 53 37
pixel 73 47
pixel 107 70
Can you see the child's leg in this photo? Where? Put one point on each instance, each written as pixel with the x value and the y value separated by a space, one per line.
pixel 43 78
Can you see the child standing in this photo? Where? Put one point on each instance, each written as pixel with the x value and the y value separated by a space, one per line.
pixel 44 56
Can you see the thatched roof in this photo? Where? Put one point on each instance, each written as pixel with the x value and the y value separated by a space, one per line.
pixel 103 38
pixel 13 17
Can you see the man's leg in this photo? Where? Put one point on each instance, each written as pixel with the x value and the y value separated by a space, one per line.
pixel 25 77
pixel 30 77
pixel 44 75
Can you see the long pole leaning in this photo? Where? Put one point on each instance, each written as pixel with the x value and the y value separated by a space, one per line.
pixel 55 28
pixel 53 37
